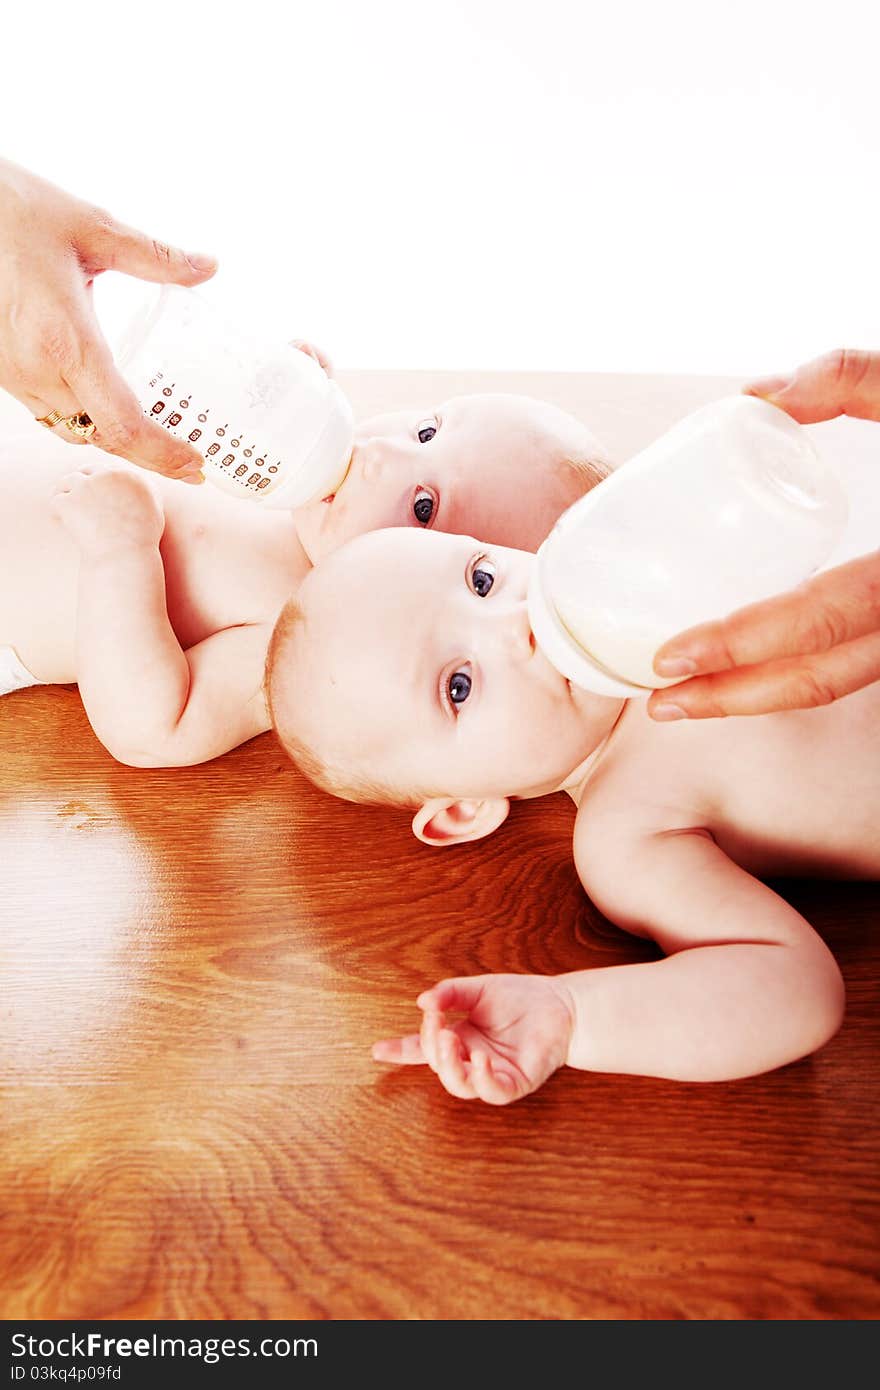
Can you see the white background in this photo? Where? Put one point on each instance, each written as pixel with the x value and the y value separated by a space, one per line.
pixel 626 186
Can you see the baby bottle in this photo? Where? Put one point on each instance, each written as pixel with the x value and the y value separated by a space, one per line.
pixel 731 506
pixel 269 422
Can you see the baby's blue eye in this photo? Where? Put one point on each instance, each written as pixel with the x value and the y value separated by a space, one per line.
pixel 483 577
pixel 426 431
pixel 423 506
pixel 459 687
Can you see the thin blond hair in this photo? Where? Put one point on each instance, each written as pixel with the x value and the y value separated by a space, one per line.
pixel 346 783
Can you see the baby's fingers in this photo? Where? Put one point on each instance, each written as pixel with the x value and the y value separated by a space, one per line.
pixel 429 1038
pixel 452 1069
pixel 402 1051
pixel 492 1084
pixel 462 994
pixel 314 352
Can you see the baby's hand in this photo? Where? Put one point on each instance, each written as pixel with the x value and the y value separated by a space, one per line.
pixel 311 351
pixel 515 1035
pixel 107 507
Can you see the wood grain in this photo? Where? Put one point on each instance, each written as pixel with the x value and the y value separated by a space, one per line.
pixel 194 966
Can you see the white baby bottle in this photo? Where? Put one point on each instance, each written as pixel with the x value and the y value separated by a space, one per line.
pixel 269 422
pixel 731 506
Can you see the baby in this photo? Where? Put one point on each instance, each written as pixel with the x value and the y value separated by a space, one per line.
pixel 159 599
pixel 405 672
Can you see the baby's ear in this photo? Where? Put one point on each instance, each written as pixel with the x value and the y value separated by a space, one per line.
pixel 444 821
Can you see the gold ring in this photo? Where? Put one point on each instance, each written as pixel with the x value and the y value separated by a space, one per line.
pixel 51 420
pixel 81 424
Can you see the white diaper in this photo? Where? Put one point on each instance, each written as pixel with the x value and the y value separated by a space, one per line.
pixel 13 674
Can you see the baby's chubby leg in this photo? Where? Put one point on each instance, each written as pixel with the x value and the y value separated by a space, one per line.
pixel 132 673
pixel 39 561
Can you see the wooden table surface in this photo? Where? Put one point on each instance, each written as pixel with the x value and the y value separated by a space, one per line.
pixel 194 966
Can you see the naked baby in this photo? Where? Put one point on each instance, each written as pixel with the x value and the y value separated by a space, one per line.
pixel 406 672
pixel 159 598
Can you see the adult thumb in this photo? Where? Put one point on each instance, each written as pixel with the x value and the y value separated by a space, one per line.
pixel 845 382
pixel 113 246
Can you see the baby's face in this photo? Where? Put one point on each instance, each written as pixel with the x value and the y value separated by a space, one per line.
pixel 482 465
pixel 418 668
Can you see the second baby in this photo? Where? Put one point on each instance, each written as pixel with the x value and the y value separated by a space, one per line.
pixel 159 599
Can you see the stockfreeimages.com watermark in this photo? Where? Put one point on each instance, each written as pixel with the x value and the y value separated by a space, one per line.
pixel 95 1346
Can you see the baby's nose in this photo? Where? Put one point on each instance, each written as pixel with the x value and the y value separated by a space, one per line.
pixel 515 630
pixel 374 455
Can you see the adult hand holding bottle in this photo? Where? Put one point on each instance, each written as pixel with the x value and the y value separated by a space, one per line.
pixel 807 647
pixel 53 357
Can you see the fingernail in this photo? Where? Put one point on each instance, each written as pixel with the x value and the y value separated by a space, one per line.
pixel 668 712
pixel 194 475
pixel 201 262
pixel 675 666
pixel 767 386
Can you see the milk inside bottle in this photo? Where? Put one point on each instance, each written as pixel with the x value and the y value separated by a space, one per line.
pixel 730 506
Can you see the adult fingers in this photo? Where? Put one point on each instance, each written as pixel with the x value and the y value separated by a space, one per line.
pixel 121 426
pixel 105 244
pixel 403 1051
pixel 40 398
pixel 844 382
pixel 834 607
pixel 794 683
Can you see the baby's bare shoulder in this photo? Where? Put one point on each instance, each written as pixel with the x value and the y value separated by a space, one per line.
pixel 652 785
pixel 651 778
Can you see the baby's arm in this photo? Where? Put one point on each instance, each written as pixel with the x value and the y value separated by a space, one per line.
pixel 746 984
pixel 150 703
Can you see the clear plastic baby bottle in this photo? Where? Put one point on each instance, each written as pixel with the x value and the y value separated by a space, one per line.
pixel 730 506
pixel 267 419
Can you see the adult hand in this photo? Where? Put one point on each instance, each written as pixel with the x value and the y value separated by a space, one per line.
pixel 814 644
pixel 53 356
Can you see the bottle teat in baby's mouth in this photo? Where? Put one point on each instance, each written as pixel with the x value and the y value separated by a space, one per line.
pixel 729 507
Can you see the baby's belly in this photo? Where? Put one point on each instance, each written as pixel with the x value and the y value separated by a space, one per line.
pixel 38 575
